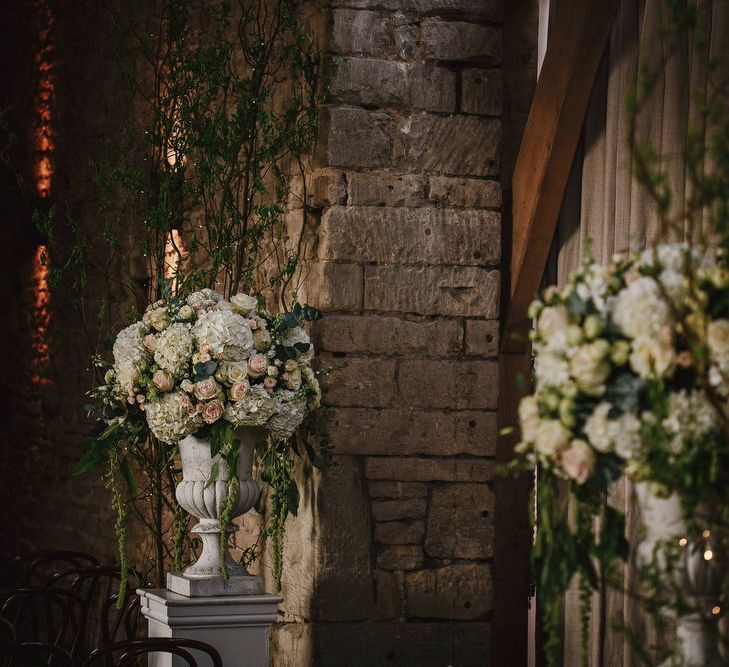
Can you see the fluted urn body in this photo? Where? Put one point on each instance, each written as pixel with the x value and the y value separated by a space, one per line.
pixel 206 575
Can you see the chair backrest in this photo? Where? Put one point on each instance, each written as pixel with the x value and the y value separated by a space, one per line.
pixel 99 587
pixel 30 654
pixel 47 615
pixel 7 631
pixel 41 565
pixel 126 653
pixel 122 624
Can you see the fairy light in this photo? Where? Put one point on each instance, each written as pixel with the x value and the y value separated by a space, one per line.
pixel 708 554
pixel 716 611
pixel 682 542
pixel 706 534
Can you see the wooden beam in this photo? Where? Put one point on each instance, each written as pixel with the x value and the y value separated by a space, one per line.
pixel 575 47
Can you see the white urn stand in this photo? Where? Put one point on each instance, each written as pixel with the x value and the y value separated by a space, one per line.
pixel 233 615
pixel 697 577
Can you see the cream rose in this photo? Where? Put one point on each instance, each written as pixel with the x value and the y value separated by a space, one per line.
pixel 553 321
pixel 239 390
pixel 187 386
pixel 243 303
pixel 150 342
pixel 578 461
pixel 652 357
pixel 157 318
pixel 589 365
pixel 163 380
pixel 186 312
pixel 551 438
pixel 206 389
pixel 269 384
pixel 292 379
pixel 212 411
pixel 261 339
pixel 257 365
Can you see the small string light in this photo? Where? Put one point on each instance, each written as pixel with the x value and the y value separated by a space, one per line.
pixel 682 542
pixel 716 611
pixel 708 554
pixel 706 534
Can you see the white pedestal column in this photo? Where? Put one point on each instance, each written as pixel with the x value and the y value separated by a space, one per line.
pixel 238 626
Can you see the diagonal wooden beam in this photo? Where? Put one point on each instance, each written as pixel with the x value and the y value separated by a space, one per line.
pixel 576 43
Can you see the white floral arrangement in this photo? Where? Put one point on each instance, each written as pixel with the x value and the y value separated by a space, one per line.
pixel 192 363
pixel 631 361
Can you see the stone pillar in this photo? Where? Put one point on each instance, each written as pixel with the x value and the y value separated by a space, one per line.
pixel 408 205
pixel 238 627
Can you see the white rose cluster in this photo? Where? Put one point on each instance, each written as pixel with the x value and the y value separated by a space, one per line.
pixel 616 370
pixel 194 362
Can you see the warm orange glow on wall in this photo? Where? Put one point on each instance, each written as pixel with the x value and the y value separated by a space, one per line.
pixel 43 132
pixel 174 256
pixel 40 318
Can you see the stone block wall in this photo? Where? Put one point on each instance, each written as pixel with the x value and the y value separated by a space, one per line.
pixel 406 267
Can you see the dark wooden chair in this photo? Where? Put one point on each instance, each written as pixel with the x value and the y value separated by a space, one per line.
pixel 38 567
pixel 122 624
pixel 7 631
pixel 127 654
pixel 47 615
pixel 30 654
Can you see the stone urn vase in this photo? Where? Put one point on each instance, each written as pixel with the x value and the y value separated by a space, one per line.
pixel 696 573
pixel 205 576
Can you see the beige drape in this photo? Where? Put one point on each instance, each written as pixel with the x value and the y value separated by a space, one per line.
pixel 606 206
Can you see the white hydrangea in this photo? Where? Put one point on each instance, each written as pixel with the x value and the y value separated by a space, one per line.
pixel 290 412
pixel 621 435
pixel 174 349
pixel 254 410
pixel 641 309
pixel 597 428
pixel 129 355
pixel 226 334
pixel 199 298
pixel 298 335
pixel 690 418
pixel 551 370
pixel 594 285
pixel 170 417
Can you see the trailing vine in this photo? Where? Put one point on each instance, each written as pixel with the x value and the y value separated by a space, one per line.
pixel 120 525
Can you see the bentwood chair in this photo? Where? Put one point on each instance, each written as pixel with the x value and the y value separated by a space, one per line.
pixel 127 654
pixel 47 615
pixel 42 565
pixel 30 654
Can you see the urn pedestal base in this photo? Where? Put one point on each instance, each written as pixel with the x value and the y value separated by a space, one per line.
pixel 238 626
pixel 244 584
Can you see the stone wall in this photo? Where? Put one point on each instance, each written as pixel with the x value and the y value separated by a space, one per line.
pixel 408 201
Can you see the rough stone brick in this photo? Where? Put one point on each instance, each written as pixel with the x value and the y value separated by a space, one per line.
pixel 458 291
pixel 462 591
pixel 387 595
pixel 397 489
pixel 391 510
pixel 353 138
pixel 470 10
pixel 386 83
pixel 460 523
pixel 464 192
pixel 343 564
pixel 482 338
pixel 386 643
pixel 409 431
pixel 455 384
pixel 333 286
pixel 456 41
pixel 429 470
pixel 400 557
pixel 358 382
pixel 327 188
pixel 373 334
pixel 482 92
pixel 357 31
pixel 378 189
pixel 398 532
pixel 456 145
pixel 410 236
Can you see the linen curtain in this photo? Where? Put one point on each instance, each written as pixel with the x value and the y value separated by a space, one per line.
pixel 607 207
